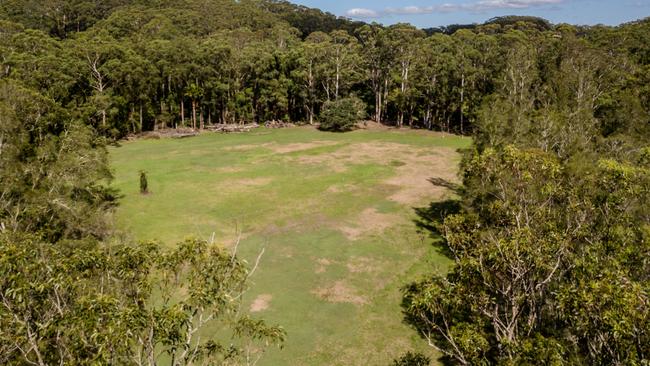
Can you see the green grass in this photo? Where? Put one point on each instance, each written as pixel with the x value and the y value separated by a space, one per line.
pixel 299 205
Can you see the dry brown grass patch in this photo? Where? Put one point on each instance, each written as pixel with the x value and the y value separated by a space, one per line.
pixel 251 182
pixel 340 292
pixel 370 221
pixel 414 166
pixel 362 265
pixel 299 146
pixel 323 263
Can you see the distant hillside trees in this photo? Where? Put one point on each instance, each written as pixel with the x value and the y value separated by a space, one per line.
pixel 129 66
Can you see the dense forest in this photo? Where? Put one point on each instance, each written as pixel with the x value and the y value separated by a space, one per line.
pixel 124 67
pixel 550 237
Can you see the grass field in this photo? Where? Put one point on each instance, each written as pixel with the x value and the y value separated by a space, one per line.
pixel 333 212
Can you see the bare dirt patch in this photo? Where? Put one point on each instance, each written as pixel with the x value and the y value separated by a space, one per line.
pixel 261 303
pixel 323 263
pixel 370 221
pixel 340 292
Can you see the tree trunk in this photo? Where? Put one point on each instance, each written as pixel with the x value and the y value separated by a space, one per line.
pixel 182 113
pixel 378 104
pixel 385 98
pixel 162 112
pixel 462 100
pixel 338 77
pixel 376 89
pixel 310 85
pixel 141 120
pixel 193 114
pixel 131 118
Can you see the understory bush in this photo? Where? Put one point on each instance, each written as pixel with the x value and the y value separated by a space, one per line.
pixel 342 114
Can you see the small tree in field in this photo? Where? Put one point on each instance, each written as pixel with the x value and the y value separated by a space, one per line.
pixel 144 184
pixel 342 114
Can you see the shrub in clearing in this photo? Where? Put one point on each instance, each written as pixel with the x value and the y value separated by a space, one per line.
pixel 144 185
pixel 342 114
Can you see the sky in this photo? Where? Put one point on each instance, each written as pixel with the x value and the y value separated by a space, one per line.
pixel 433 13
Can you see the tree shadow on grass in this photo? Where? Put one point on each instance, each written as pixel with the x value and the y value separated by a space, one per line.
pixel 431 218
pixel 440 182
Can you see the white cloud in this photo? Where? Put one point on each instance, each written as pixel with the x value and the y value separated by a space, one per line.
pixel 444 8
pixel 481 5
pixel 362 13
pixel 511 4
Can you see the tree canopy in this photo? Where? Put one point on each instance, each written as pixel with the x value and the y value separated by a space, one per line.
pixel 131 66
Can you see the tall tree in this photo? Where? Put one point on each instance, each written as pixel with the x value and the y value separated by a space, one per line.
pixel 405 41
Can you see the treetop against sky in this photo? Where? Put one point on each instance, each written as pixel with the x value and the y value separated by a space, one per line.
pixel 431 13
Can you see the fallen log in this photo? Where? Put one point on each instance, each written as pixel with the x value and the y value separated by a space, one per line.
pixel 229 128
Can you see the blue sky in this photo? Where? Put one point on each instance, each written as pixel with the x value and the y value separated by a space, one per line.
pixel 431 13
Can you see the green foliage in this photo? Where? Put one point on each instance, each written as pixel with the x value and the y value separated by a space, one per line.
pixel 86 303
pixel 412 359
pixel 548 244
pixel 342 114
pixel 544 259
pixel 553 210
pixel 53 171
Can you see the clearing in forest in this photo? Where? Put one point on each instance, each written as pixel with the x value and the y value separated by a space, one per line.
pixel 333 212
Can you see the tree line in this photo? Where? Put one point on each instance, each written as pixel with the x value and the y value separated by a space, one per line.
pixel 129 66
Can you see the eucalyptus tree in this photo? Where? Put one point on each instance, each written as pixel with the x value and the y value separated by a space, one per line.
pixel 507 114
pixel 52 169
pixel 433 76
pixel 539 252
pixel 38 61
pixel 213 53
pixel 344 59
pixel 195 93
pixel 377 59
pixel 312 74
pixel 99 53
pixel 404 40
pixel 96 305
pixel 466 69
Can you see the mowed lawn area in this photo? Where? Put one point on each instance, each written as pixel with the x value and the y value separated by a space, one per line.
pixel 334 214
